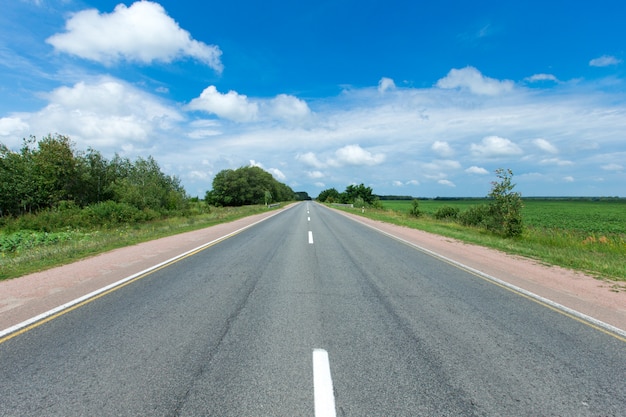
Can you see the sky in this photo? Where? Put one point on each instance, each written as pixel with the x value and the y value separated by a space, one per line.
pixel 417 98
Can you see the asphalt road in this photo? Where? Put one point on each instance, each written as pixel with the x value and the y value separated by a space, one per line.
pixel 310 313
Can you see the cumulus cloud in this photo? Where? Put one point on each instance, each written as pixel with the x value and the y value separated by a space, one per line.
pixel 447 183
pixel 386 84
pixel 442 148
pixel 232 105
pixel 469 78
pixel 604 61
pixel 142 33
pixel 288 108
pixel 239 108
pixel 355 155
pixel 545 146
pixel 476 170
pixel 310 159
pixel 10 126
pixel 495 146
pixel 103 113
pixel 277 174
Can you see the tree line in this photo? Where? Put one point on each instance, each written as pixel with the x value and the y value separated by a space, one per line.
pixel 45 173
pixel 359 195
pixel 49 174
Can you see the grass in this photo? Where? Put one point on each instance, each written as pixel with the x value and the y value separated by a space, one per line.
pixel 23 252
pixel 584 235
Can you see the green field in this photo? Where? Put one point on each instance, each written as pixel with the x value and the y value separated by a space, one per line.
pixel 599 217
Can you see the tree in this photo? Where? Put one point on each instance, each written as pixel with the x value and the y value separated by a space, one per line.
pixel 328 196
pixel 358 192
pixel 246 185
pixel 505 209
pixel 143 185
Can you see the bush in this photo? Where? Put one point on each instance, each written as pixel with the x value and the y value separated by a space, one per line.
pixel 446 212
pixel 474 216
pixel 415 208
pixel 111 213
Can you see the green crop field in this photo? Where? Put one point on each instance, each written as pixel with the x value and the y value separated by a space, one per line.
pixel 594 217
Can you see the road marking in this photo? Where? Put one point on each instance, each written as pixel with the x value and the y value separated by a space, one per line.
pixel 310 237
pixel 308 219
pixel 323 385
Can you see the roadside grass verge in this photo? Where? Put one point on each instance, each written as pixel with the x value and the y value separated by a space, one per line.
pixel 601 255
pixel 25 252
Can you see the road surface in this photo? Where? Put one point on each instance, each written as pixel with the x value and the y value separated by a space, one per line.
pixel 310 313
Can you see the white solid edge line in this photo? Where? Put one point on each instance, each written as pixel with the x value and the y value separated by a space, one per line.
pixel 520 290
pixel 79 300
pixel 323 385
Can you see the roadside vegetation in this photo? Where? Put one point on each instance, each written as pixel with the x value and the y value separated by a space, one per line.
pixel 58 204
pixel 585 234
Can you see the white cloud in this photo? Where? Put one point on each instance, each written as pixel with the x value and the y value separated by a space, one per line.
pixel 355 155
pixel 310 159
pixel 386 84
pixel 231 105
pixel 604 61
pixel 495 146
pixel 413 182
pixel 442 148
pixel 568 178
pixel 199 129
pixel 541 77
pixel 556 162
pixel 545 146
pixel 10 126
pixel 288 108
pixel 397 183
pixel 142 33
pixel 105 113
pixel 612 167
pixel 476 170
pixel 447 183
pixel 469 78
pixel 315 174
pixel 442 165
pixel 277 174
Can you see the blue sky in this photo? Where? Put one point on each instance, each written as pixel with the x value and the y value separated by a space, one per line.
pixel 408 97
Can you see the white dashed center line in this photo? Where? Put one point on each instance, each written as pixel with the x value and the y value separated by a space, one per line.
pixel 323 385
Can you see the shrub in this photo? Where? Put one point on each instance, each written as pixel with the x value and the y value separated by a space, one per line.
pixel 474 216
pixel 415 208
pixel 446 212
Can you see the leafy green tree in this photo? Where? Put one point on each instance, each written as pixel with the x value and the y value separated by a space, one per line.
pixel 505 208
pixel 142 184
pixel 356 192
pixel 246 185
pixel 328 196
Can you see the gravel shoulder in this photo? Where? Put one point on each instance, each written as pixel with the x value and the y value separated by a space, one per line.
pixel 28 296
